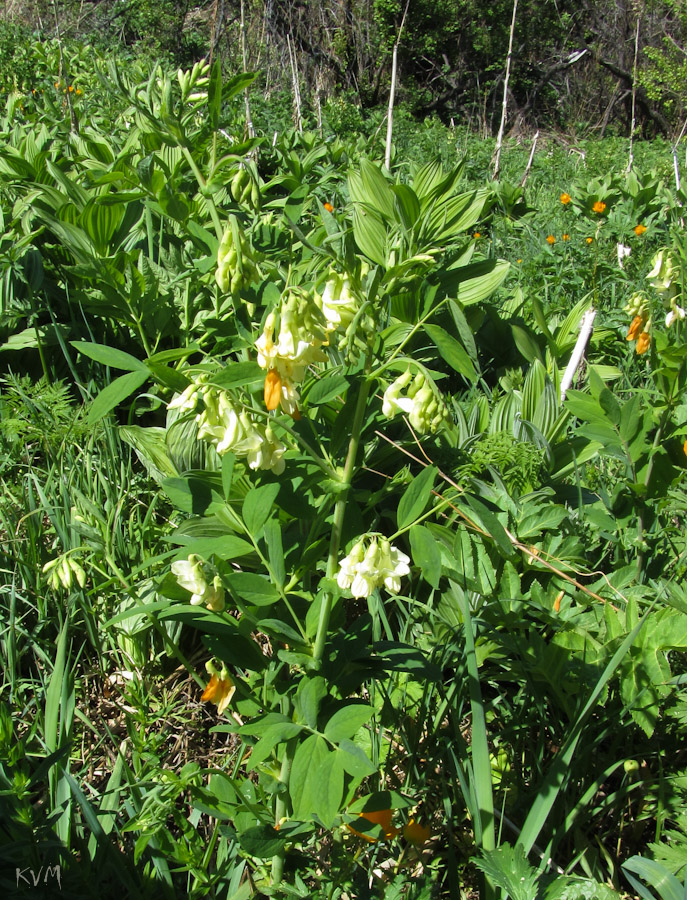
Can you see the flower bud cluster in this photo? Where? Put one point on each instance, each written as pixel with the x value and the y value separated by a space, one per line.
pixel 302 333
pixel 64 570
pixel 372 563
pixel 231 429
pixel 418 398
pixel 193 82
pixel 235 262
pixel 190 575
pixel 244 189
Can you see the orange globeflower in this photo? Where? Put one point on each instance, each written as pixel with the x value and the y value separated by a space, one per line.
pixel 477 235
pixel 589 240
pixel 415 833
pixel 599 207
pixel 565 237
pixel 635 328
pixel 565 198
pixel 329 207
pixel 639 229
pixel 551 239
pixel 643 342
pixel 219 691
pixel 684 448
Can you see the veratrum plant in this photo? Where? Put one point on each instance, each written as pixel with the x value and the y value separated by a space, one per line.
pixel 288 544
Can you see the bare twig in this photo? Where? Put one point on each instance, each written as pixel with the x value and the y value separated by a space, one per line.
pixel 504 105
pixel 392 91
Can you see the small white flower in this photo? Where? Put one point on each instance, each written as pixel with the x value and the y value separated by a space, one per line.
pixel 189 575
pixel 623 252
pixel 676 314
pixel 364 570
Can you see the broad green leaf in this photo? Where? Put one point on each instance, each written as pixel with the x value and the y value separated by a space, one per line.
pixel 257 506
pixel 475 282
pixel 452 351
pixel 325 389
pixel 407 205
pixel 416 497
pixel 304 784
pixel 110 356
pixel 426 554
pixel 275 551
pixel 253 589
pixel 114 394
pixel 378 800
pixel 354 760
pixel 239 374
pixel 225 546
pixel 370 235
pixel 261 841
pixel 347 721
pixel 488 520
pixel 275 734
pixel 310 693
pixel 526 343
pixel 191 494
pixel 330 781
pixel 655 874
pixel 150 446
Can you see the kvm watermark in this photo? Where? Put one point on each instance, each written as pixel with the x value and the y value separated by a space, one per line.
pixel 32 878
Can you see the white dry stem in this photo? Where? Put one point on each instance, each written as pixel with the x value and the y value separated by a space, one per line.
pixel 392 92
pixel 586 327
pixel 504 105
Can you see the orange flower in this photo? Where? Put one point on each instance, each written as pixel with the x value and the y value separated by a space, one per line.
pixel 599 207
pixel 380 817
pixel 71 88
pixel 219 691
pixel 643 342
pixel 329 207
pixel 565 199
pixel 565 237
pixel 272 389
pixel 639 229
pixel 684 448
pixel 636 327
pixel 79 91
pixel 551 239
pixel 415 833
pixel 589 240
pixel 477 235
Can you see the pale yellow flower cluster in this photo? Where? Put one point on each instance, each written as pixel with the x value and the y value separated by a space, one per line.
pixel 302 334
pixel 371 565
pixel 417 399
pixel 231 429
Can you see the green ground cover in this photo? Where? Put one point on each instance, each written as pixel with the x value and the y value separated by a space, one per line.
pixel 319 578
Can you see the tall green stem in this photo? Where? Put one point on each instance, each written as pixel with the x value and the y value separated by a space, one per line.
pixel 202 184
pixel 280 808
pixel 339 512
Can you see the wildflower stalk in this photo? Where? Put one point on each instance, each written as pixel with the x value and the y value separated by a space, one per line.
pixel 339 512
pixel 280 809
pixel 202 183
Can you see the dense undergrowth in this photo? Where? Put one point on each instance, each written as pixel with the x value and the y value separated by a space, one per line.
pixel 289 433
